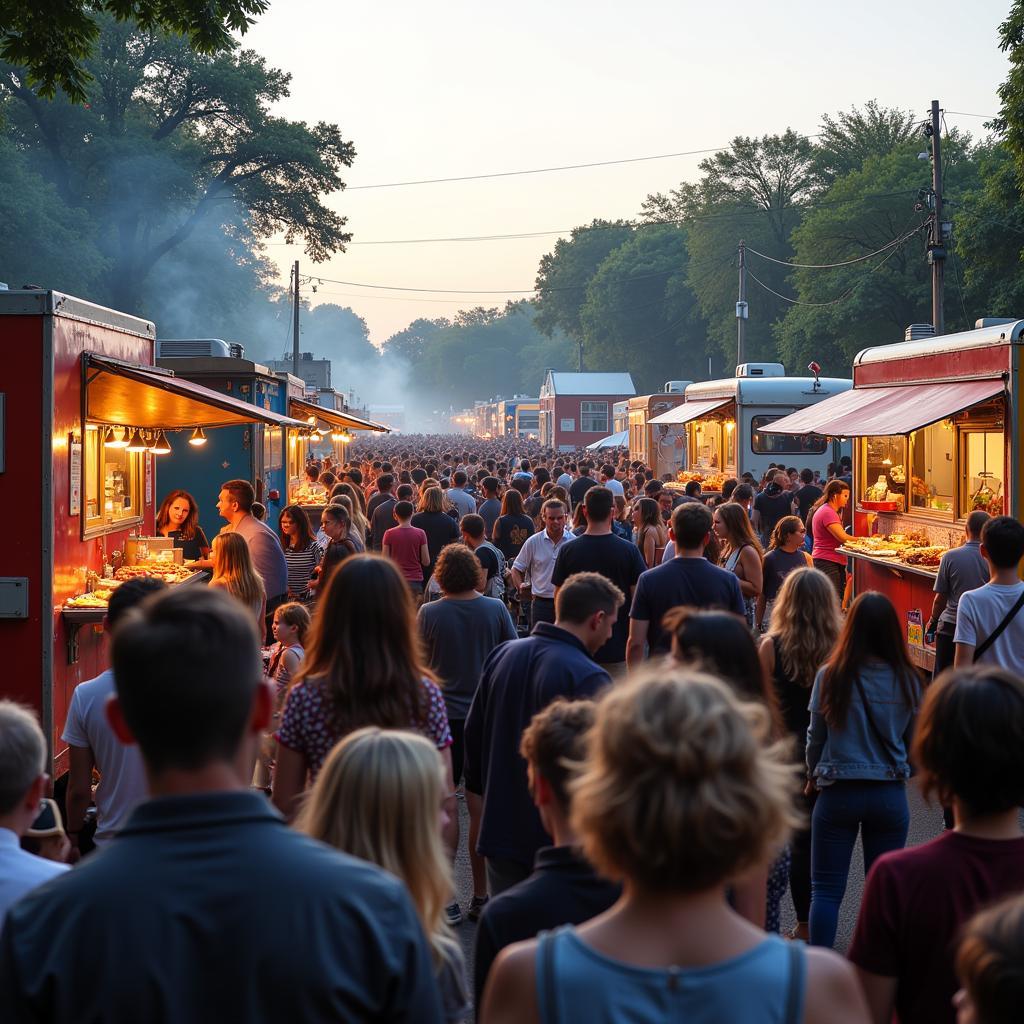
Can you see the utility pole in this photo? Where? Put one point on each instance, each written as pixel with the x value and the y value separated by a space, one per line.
pixel 936 233
pixel 741 307
pixel 580 359
pixel 295 318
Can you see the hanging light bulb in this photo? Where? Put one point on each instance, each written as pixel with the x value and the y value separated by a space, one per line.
pixel 160 445
pixel 345 437
pixel 118 440
pixel 108 438
pixel 198 438
pixel 136 442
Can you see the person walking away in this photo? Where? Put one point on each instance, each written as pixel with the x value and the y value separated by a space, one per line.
pixel 459 632
pixel 969 752
pixel 363 666
pixel 608 480
pixel 806 495
pixel 786 552
pixel 688 579
pixel 512 527
pixel 988 965
pixel 439 527
pixel 771 505
pixel 536 561
pixel 490 558
pixel 989 626
pixel 651 532
pixel 519 679
pixel 377 799
pixel 382 518
pixel 234 503
pixel 406 545
pixel 457 495
pixel 23 759
pixel 599 550
pixel 719 643
pixel 564 888
pixel 800 640
pixel 582 483
pixel 234 571
pixel 672 948
pixel 827 532
pixel 204 872
pixel 960 569
pixel 741 553
pixel 385 484
pixel 863 705
pixel 92 744
pixel 490 507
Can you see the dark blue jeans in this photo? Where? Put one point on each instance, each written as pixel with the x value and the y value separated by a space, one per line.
pixel 879 811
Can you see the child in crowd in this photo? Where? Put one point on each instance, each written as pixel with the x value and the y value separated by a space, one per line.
pixel 380 797
pixel 406 545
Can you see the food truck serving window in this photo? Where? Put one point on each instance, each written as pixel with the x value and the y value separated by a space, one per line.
pixel 112 485
pixel 883 472
pixel 933 468
pixel 783 444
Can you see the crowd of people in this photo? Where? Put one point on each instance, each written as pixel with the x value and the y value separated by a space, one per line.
pixel 664 711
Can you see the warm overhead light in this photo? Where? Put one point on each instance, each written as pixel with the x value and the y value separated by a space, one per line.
pixel 198 438
pixel 345 437
pixel 160 445
pixel 115 440
pixel 136 442
pixel 108 438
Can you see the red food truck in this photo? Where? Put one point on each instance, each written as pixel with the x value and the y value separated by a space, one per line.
pixel 84 415
pixel 937 428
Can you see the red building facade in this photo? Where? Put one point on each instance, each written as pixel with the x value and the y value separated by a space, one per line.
pixel 576 408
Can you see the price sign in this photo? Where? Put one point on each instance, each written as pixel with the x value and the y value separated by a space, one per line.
pixel 75 476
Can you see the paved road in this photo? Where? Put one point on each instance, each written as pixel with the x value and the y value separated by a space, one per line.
pixel 925 824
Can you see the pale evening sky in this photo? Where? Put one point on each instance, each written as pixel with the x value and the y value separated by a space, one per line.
pixel 460 88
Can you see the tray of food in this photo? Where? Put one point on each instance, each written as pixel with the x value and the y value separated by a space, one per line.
pixel 927 558
pixel 169 572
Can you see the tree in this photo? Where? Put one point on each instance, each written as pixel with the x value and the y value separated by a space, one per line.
pixel 563 274
pixel 851 137
pixel 171 140
pixel 52 44
pixel 846 308
pixel 1010 122
pixel 640 315
pixel 410 343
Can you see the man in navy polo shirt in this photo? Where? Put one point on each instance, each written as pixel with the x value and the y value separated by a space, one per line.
pixel 208 907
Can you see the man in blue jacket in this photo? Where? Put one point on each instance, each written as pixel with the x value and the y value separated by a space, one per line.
pixel 520 678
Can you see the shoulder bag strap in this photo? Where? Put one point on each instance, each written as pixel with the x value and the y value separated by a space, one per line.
pixel 872 724
pixel 546 978
pixel 998 631
pixel 795 986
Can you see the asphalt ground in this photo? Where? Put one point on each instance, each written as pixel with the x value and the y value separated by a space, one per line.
pixel 925 824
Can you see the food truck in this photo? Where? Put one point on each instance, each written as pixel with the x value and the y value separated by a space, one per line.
pixel 657 446
pixel 936 425
pixel 84 422
pixel 721 425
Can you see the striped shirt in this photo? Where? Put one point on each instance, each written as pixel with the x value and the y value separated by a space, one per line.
pixel 300 568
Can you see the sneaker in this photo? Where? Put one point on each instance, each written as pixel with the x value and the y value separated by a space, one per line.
pixel 454 913
pixel 476 907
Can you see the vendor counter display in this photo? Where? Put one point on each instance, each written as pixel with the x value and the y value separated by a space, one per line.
pixel 708 481
pixel 915 550
pixel 101 588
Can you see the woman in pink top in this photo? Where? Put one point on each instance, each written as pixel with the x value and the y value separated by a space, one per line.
pixel 826 526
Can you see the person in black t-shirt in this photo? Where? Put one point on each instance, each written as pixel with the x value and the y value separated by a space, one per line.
pixel 807 494
pixel 582 483
pixel 564 888
pixel 512 527
pixel 600 551
pixel 771 505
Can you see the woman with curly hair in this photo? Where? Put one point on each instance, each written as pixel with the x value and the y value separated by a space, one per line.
pixel 804 628
pixel 681 794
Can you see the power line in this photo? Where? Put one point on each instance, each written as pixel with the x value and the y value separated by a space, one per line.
pixel 964 113
pixel 827 266
pixel 542 170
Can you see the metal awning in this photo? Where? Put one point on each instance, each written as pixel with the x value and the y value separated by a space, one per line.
pixel 126 394
pixel 303 410
pixel 618 440
pixel 690 411
pixel 886 411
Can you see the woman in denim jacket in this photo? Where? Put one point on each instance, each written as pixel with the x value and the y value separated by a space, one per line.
pixel 862 708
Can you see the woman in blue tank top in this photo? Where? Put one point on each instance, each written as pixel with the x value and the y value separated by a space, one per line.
pixel 679 796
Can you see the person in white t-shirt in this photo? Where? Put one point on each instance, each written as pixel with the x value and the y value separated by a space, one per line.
pixel 23 781
pixel 980 612
pixel 93 744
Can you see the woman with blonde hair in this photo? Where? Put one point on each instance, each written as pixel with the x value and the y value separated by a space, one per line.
pixel 359 525
pixel 233 570
pixel 740 552
pixel 651 533
pixel 433 519
pixel 380 797
pixel 681 794
pixel 804 629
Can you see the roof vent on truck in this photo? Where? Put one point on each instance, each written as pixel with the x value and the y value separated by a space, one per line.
pixel 760 370
pixel 676 387
pixel 917 331
pixel 198 348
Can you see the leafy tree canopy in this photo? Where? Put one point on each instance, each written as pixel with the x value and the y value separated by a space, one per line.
pixel 847 140
pixel 54 42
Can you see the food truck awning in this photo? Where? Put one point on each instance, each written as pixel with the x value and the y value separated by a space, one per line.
pixel 611 441
pixel 691 411
pixel 880 411
pixel 126 394
pixel 303 410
